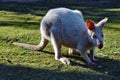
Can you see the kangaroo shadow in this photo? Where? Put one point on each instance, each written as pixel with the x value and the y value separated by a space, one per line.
pixel 18 72
pixel 104 64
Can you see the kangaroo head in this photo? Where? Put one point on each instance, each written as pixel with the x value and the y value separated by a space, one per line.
pixel 95 32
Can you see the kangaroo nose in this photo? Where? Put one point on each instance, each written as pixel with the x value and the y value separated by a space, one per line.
pixel 100 46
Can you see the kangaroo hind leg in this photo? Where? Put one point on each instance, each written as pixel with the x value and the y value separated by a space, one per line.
pixel 57 42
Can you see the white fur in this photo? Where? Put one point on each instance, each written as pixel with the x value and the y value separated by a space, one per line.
pixel 67 27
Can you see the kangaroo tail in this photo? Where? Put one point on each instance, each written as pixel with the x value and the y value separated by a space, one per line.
pixel 28 46
pixel 39 47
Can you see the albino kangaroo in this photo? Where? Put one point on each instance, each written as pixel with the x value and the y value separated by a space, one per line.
pixel 67 27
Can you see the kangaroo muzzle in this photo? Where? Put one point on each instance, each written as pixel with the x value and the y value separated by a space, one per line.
pixel 99 44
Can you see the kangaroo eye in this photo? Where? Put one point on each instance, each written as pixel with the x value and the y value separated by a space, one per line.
pixel 94 36
pixel 102 35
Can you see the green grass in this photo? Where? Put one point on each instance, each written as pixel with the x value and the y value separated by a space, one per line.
pixel 20 22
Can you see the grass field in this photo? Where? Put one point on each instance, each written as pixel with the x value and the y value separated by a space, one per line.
pixel 19 22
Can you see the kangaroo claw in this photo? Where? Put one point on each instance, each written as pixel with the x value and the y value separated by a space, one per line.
pixel 91 64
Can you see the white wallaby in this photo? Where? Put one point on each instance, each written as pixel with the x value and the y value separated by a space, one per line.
pixel 63 26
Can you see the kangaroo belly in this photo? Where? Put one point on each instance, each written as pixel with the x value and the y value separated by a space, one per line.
pixel 70 37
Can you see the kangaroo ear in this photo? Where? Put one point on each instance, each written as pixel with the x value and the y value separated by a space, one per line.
pixel 102 22
pixel 90 24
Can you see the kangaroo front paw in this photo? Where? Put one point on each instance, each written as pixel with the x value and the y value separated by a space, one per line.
pixel 94 60
pixel 91 63
pixel 65 61
pixel 70 51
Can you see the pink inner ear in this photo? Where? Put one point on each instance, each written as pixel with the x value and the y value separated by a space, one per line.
pixel 90 24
